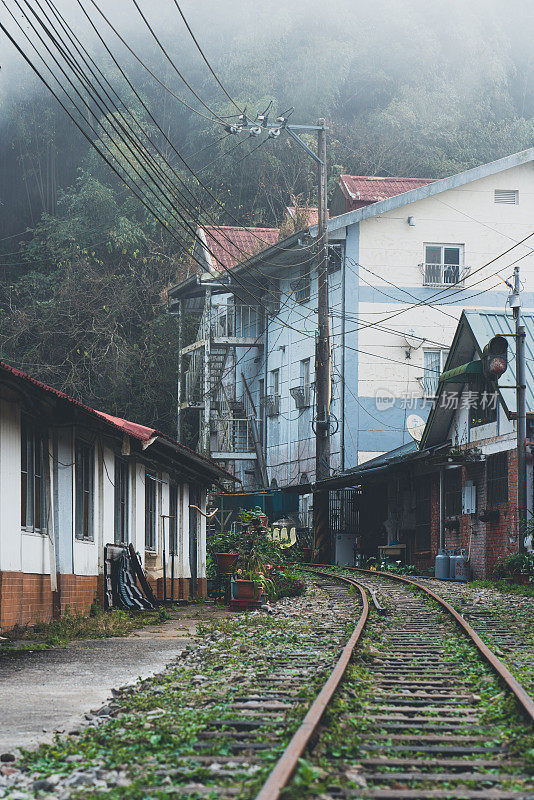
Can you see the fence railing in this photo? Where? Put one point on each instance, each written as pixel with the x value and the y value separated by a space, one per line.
pixel 235 321
pixel 234 435
pixel 430 385
pixel 443 274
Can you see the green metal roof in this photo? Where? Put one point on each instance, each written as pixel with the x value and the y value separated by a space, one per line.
pixel 474 331
pixel 487 324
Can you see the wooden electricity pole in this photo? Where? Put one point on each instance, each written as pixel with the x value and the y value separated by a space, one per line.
pixel 322 544
pixel 521 421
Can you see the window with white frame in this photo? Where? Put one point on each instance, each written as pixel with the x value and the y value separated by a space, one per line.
pixel 122 473
pixel 433 364
pixel 150 511
pixel 83 490
pixel 272 402
pixel 305 379
pixel 33 471
pixel 443 265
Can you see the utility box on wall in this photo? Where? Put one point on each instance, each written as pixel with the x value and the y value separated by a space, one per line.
pixel 469 498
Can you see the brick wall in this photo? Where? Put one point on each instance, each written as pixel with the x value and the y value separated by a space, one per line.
pixel 27 598
pixel 181 588
pixel 485 542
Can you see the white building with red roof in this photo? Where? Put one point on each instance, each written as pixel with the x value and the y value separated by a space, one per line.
pixel 76 484
pixel 357 191
pixel 407 255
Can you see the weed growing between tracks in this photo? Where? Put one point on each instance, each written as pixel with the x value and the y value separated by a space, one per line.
pixel 336 761
pixel 148 740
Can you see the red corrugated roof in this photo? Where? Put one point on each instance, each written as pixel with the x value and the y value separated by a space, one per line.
pixel 371 189
pixel 229 246
pixel 140 432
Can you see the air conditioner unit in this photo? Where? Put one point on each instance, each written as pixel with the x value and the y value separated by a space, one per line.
pixel 301 396
pixel 272 405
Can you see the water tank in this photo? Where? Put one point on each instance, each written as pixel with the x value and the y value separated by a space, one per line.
pixel 461 570
pixel 442 565
pixel 452 564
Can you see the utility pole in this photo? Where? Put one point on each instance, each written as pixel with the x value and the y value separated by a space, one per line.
pixel 521 422
pixel 322 545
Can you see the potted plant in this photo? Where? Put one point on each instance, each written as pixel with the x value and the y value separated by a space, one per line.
pixel 251 578
pixel 222 547
pixel 251 585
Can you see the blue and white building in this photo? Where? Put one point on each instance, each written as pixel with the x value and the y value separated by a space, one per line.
pixel 401 271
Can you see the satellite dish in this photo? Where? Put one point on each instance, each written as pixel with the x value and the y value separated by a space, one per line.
pixel 415 426
pixel 412 340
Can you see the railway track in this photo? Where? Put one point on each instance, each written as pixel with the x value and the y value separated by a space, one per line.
pixel 397 705
pixel 506 623
pixel 429 718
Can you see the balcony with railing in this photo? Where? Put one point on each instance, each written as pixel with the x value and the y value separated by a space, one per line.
pixel 234 438
pixel 430 385
pixel 236 324
pixel 435 275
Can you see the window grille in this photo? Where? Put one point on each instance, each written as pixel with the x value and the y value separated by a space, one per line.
pixel 509 197
pixel 33 471
pixel 150 512
pixel 83 490
pixel 497 478
pixel 121 500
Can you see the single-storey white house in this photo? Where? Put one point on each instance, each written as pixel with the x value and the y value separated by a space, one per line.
pixel 73 480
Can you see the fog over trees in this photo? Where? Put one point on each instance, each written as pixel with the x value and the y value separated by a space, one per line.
pixel 408 87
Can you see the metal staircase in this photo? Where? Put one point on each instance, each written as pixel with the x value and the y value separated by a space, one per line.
pixel 229 428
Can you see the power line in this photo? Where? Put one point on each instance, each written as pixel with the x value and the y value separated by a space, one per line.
pixel 174 212
pixel 204 57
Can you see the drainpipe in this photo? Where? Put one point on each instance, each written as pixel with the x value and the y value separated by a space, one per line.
pixel 264 417
pixel 441 510
pixel 342 432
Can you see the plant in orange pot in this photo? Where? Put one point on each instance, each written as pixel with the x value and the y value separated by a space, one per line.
pixel 251 580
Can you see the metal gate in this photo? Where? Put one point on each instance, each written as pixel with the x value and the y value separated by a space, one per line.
pixel 344 510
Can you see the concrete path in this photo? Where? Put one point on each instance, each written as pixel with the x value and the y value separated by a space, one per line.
pixel 49 691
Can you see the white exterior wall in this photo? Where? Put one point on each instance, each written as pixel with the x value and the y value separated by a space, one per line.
pixel 58 549
pixel 290 438
pixel 11 540
pixel 183 531
pixel 392 249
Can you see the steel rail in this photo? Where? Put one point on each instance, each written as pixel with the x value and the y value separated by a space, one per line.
pixel 287 763
pixel 522 696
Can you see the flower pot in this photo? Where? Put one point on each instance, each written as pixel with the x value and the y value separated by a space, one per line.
pixel 247 590
pixel 225 562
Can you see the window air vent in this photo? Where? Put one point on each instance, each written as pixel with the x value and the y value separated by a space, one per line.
pixel 508 197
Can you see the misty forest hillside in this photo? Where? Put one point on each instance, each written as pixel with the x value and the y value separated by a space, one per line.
pixel 420 88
